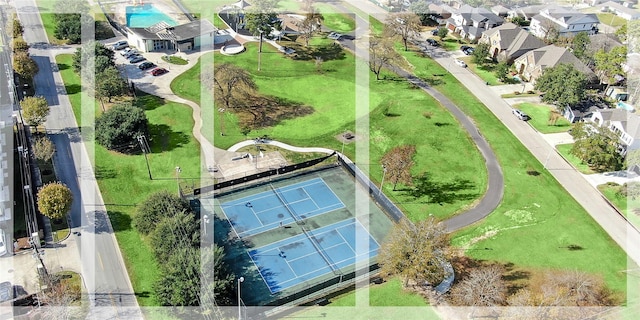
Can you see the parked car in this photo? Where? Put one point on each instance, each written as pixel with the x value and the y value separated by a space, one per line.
pixel 137 59
pixel 130 53
pixel 120 45
pixel 520 115
pixel 464 48
pixel 6 291
pixel 460 63
pixel 334 36
pixel 158 71
pixel 146 65
pixel 469 51
pixel 432 42
pixel 435 31
pixel 3 243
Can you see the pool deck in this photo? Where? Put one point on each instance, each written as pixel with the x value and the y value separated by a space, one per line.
pixel 167 7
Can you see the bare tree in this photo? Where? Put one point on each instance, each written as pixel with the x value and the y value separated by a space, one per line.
pixel 311 23
pixel 44 149
pixel 397 163
pixel 230 83
pixel 483 287
pixel 382 54
pixel 415 252
pixel 405 25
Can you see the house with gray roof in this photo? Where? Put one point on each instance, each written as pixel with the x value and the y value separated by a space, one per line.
pixel 620 10
pixel 508 42
pixel 623 123
pixel 566 21
pixel 470 22
pixel 527 12
pixel 161 36
pixel 532 64
pixel 500 11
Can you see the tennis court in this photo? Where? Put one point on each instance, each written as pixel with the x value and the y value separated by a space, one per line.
pixel 280 206
pixel 297 259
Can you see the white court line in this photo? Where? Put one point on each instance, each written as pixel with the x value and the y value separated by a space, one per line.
pixel 309 197
pixel 230 223
pixel 261 276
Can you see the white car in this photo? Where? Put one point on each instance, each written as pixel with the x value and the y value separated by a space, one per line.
pixel 460 63
pixel 334 36
pixel 520 115
pixel 3 243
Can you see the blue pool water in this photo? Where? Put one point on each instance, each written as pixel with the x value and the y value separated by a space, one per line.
pixel 145 16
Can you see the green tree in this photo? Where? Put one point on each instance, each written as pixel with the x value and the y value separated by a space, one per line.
pixel 24 65
pixel 442 33
pixel 156 207
pixel 261 19
pixel 596 146
pixel 520 21
pixel 609 64
pixel 17 28
pixel 481 53
pixel 397 163
pixel 54 200
pixel 177 230
pixel 109 83
pixel 118 127
pixel 102 54
pixel 502 71
pixel 579 45
pixel 421 8
pixel 621 32
pixel 44 149
pixel 34 110
pixel 415 252
pixel 180 283
pixel 19 45
pixel 68 26
pixel 218 280
pixel 563 85
pixel 405 25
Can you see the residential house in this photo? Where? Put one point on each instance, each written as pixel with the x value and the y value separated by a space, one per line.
pixel 527 12
pixel 508 42
pixel 620 10
pixel 531 64
pixel 184 37
pixel 470 22
pixel 617 93
pixel 500 11
pixel 440 13
pixel 567 22
pixel 625 124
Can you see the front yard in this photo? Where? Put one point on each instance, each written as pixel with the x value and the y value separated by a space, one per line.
pixel 541 118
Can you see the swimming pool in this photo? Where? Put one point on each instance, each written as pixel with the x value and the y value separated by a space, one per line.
pixel 146 15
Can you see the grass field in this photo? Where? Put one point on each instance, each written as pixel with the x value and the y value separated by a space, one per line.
pixel 334 20
pixel 124 181
pixel 564 150
pixel 397 117
pixel 539 115
pixel 627 205
pixel 533 225
pixel 611 19
pixel 485 72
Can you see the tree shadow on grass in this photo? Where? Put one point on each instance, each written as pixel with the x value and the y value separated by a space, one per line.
pixel 164 139
pixel 441 192
pixel 120 221
pixel 72 88
pixel 63 66
pixel 327 52
pixel 147 101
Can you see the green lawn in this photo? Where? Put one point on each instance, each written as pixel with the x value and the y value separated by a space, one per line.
pixel 564 150
pixel 46 14
pixel 124 181
pixel 539 115
pixel 446 153
pixel 485 72
pixel 611 19
pixel 626 205
pixel 533 225
pixel 334 20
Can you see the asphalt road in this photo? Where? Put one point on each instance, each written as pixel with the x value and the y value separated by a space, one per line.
pixel 103 269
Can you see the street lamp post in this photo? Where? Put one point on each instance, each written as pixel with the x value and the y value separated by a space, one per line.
pixel 240 280
pixel 221 110
pixel 384 171
pixel 205 218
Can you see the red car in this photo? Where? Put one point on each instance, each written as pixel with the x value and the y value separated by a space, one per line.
pixel 158 71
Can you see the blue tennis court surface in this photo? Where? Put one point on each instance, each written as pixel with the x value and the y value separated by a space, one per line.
pixel 267 210
pixel 297 259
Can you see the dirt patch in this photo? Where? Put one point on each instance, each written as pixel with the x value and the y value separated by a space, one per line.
pixel 347 137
